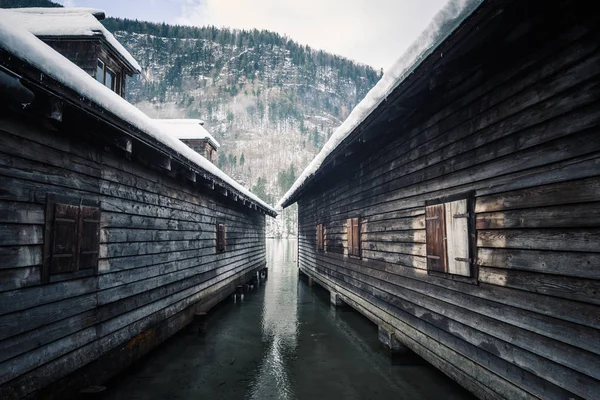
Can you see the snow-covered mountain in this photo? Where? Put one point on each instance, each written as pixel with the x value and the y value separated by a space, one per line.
pixel 271 102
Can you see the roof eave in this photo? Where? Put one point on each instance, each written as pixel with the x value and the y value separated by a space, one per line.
pixel 99 37
pixel 54 88
pixel 470 21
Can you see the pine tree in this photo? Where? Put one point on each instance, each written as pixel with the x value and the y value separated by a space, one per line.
pixel 222 160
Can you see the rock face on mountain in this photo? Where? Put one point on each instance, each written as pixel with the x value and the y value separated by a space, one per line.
pixel 271 102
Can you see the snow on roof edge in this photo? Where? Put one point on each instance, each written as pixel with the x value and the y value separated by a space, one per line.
pixel 94 26
pixel 197 123
pixel 118 47
pixel 446 20
pixel 96 12
pixel 26 46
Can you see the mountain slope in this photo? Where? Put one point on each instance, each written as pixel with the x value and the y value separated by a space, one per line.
pixel 271 102
pixel 262 95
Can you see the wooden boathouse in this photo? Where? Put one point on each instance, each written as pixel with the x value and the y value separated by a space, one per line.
pixel 462 212
pixel 113 233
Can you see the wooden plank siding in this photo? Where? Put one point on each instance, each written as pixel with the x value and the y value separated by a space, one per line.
pixel 524 137
pixel 157 255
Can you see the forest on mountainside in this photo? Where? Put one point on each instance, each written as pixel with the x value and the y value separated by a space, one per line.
pixel 271 102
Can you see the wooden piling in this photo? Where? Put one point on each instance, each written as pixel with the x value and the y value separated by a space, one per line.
pixel 200 319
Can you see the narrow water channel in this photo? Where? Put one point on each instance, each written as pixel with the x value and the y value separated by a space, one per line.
pixel 284 341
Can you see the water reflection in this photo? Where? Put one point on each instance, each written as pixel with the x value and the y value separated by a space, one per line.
pixel 282 342
pixel 279 322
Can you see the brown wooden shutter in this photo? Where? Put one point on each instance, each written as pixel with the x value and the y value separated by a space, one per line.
pixel 89 237
pixel 457 237
pixel 435 227
pixel 64 239
pixel 318 237
pixel 349 239
pixel 220 237
pixel 355 237
pixel 224 238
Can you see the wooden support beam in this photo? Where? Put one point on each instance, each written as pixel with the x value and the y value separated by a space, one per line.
pixel 191 175
pixel 164 162
pixel 124 143
pixel 14 90
pixel 55 111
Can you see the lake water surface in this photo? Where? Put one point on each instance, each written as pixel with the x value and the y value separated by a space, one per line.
pixel 283 341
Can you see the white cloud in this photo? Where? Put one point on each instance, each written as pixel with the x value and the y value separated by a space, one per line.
pixel 68 3
pixel 375 32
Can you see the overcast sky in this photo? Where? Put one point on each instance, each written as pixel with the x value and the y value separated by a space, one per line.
pixel 375 32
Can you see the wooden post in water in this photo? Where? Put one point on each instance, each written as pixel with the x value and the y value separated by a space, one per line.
pixel 335 299
pixel 399 353
pixel 200 318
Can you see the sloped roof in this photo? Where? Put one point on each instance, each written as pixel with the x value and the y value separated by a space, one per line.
pixel 188 129
pixel 96 12
pixel 69 22
pixel 446 21
pixel 24 46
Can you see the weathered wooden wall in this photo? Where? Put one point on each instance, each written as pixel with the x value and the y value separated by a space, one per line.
pixel 522 131
pixel 157 262
pixel 85 54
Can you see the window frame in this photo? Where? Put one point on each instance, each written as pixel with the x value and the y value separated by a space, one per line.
pixel 108 70
pixel 354 235
pixel 116 82
pixel 471 242
pixel 98 62
pixel 88 212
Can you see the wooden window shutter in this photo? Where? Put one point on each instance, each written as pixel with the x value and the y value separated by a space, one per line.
pixel 220 237
pixel 319 237
pixel 457 237
pixel 435 227
pixel 349 239
pixel 64 249
pixel 89 237
pixel 356 237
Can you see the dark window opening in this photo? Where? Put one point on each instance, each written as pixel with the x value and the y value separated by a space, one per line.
pixel 108 77
pixel 221 238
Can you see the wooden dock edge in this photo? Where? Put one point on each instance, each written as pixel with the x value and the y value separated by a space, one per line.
pixel 115 361
pixel 381 318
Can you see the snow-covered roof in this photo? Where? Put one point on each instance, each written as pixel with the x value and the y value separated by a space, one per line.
pixel 24 45
pixel 443 24
pixel 188 129
pixel 96 12
pixel 68 22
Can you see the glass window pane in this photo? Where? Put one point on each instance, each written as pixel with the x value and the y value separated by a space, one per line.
pixel 100 72
pixel 110 79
